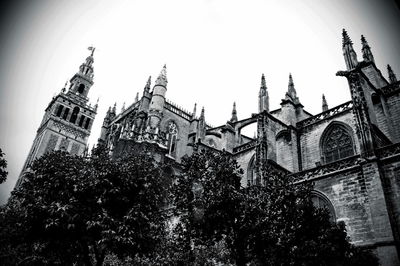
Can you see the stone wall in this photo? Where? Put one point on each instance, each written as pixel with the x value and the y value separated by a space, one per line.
pixel 310 137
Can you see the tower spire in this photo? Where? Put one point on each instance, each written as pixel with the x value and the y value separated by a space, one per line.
pixel 194 111
pixel 234 114
pixel 201 126
pixel 324 104
pixel 202 114
pixel 366 50
pixel 392 76
pixel 162 78
pixel 291 94
pixel 350 56
pixel 148 84
pixel 263 98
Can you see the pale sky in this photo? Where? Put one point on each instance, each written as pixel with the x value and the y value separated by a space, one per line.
pixel 215 51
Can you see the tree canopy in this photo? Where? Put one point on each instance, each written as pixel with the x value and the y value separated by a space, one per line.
pixel 77 210
pixel 3 167
pixel 129 210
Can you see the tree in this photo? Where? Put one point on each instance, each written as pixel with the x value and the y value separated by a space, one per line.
pixel 78 210
pixel 273 224
pixel 3 166
pixel 205 197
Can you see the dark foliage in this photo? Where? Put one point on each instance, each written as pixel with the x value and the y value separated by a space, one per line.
pixel 75 210
pixel 273 224
pixel 3 166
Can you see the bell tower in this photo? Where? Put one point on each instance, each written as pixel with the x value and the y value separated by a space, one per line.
pixel 68 118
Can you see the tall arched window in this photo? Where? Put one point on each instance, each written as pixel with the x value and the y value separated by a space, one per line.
pixel 336 143
pixel 81 88
pixel 81 120
pixel 74 115
pixel 319 200
pixel 59 110
pixel 251 171
pixel 66 112
pixel 87 123
pixel 172 137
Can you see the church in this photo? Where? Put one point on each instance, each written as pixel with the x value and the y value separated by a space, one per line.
pixel 350 152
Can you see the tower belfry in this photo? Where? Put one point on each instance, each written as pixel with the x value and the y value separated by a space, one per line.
pixel 68 118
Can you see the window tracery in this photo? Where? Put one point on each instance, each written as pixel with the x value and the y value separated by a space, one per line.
pixel 172 137
pixel 337 144
pixel 320 201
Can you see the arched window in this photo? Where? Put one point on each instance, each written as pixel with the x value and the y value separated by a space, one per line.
pixel 66 112
pixel 59 110
pixel 337 143
pixel 319 200
pixel 87 123
pixel 74 115
pixel 81 120
pixel 251 172
pixel 172 136
pixel 81 88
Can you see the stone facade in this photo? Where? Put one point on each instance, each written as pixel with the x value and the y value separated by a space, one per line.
pixel 350 152
pixel 68 118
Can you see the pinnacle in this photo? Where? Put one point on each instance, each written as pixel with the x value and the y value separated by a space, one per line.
pixel 324 103
pixel 234 113
pixel 392 76
pixel 194 111
pixel 162 78
pixel 346 39
pixel 291 80
pixel 263 83
pixel 202 113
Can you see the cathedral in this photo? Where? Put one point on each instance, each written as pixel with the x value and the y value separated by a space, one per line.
pixel 350 152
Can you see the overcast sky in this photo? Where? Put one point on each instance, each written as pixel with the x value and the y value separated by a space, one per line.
pixel 215 51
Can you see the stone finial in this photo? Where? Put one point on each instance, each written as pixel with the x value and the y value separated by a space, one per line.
pixel 97 104
pixel 263 83
pixel 162 78
pixel 263 99
pixel 123 107
pixel 148 84
pixel 345 38
pixel 366 50
pixel 324 104
pixel 137 97
pixel 234 114
pixel 194 111
pixel 202 114
pixel 114 109
pixel 350 56
pixel 392 76
pixel 291 90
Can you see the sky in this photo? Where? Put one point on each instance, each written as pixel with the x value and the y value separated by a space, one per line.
pixel 215 52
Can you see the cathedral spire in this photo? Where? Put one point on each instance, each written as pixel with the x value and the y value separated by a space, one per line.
pixel 201 126
pixel 234 114
pixel 366 50
pixel 350 56
pixel 162 78
pixel 114 109
pixel 392 76
pixel 202 114
pixel 148 84
pixel 263 99
pixel 194 111
pixel 291 93
pixel 324 104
